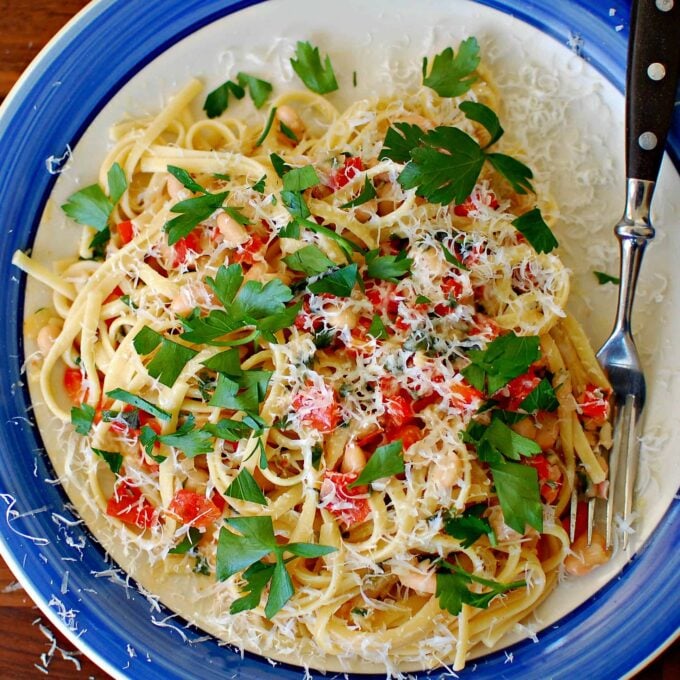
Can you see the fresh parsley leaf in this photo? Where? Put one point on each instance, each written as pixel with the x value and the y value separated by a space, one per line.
pixel 400 140
pixel 242 394
pixel 188 439
pixel 482 114
pixel 186 179
pixel 279 165
pixel 377 329
pixel 470 526
pixel 386 461
pixel 317 77
pixel 387 267
pixel 202 566
pixel 345 244
pixel 227 362
pixel 446 169
pixel 259 89
pixel 99 242
pixel 169 361
pixel 208 329
pixel 226 283
pixel 260 184
pixel 256 540
pixel 191 213
pixel 245 488
pixel 233 430
pixel 603 278
pixel 288 132
pixel 188 543
pixel 317 454
pixel 299 179
pixel 82 418
pixel 453 592
pixel 500 438
pixel 257 576
pixel 267 127
pixel 295 204
pixel 519 495
pixel 91 207
pixel 503 359
pixel 217 101
pixel 125 299
pixel 257 301
pixel 452 259
pixel 310 260
pixel 533 227
pixel 112 458
pixel 451 74
pixel 367 193
pixel 340 282
pixel 422 300
pixel 541 398
pixel 513 170
pixel 120 394
pixel 237 215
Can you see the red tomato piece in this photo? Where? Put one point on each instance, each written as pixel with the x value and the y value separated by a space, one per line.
pixel 218 499
pixel 191 242
pixel 126 231
pixel 350 506
pixel 409 435
pixel 129 505
pixel 429 399
pixel 519 388
pixel 383 297
pixel 467 205
pixel 318 407
pixel 194 509
pixel 246 254
pixel 485 326
pixel 594 404
pixel 73 384
pixel 352 166
pixel 549 477
pixel 114 295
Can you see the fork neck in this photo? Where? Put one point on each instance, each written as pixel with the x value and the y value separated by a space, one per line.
pixel 634 231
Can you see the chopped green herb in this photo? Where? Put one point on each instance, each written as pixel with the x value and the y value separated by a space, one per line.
pixel 422 300
pixel 541 398
pixel 82 418
pixel 603 278
pixel 451 258
pixel 377 329
pixel 367 194
pixel 236 214
pixel 267 126
pixel 112 458
pixel 533 227
pixel 255 540
pixel 317 77
pixel 519 495
pixel 288 132
pixel 217 101
pixel 339 282
pixel 120 394
pixel 400 140
pixel 299 179
pixel 188 543
pixel 169 360
pixel 513 170
pixel 260 184
pixel 482 114
pixel 386 461
pixel 91 207
pixel 191 212
pixel 469 526
pixel 451 74
pixel 387 267
pixel 245 488
pixel 310 260
pixel 186 179
pixel 259 89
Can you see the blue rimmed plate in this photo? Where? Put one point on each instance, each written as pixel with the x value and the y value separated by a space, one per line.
pixel 97 59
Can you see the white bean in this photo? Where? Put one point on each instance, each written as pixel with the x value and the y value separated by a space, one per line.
pixel 354 458
pixel 290 118
pixel 47 335
pixel 233 233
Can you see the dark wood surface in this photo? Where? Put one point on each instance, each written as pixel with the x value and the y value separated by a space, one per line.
pixel 26 637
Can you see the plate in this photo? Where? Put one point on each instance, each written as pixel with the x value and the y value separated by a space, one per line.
pixel 97 68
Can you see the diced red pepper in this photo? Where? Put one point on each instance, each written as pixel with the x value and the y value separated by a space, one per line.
pixel 349 505
pixel 73 384
pixel 126 231
pixel 194 509
pixel 467 205
pixel 594 404
pixel 519 388
pixel 129 505
pixel 191 242
pixel 352 166
pixel 549 477
pixel 485 326
pixel 246 254
pixel 113 295
pixel 318 407
pixel 464 394
pixel 429 399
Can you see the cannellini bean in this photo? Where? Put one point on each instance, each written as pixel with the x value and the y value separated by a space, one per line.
pixel 420 579
pixel 290 118
pixel 190 296
pixel 584 557
pixel 354 458
pixel 176 189
pixel 233 233
pixel 525 427
pixel 47 335
pixel 546 434
pixel 347 318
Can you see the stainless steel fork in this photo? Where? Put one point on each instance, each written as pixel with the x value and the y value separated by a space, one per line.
pixel 652 78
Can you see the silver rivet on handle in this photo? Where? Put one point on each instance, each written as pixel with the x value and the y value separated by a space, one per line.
pixel 664 5
pixel 647 141
pixel 656 71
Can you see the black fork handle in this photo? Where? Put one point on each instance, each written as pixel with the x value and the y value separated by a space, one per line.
pixel 653 66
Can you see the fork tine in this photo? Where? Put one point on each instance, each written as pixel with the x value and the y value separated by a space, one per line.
pixel 632 456
pixel 591 519
pixel 572 514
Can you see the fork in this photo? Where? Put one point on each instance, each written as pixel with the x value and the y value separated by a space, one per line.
pixel 651 81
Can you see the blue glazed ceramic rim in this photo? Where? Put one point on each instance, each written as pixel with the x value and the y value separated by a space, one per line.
pixel 635 615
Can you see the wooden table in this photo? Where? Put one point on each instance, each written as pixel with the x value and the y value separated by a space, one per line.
pixel 25 634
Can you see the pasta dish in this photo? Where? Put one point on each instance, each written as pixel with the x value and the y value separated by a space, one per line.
pixel 316 365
